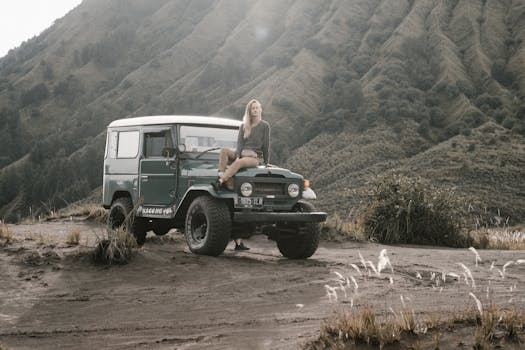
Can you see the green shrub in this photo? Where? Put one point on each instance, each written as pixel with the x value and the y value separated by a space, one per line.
pixel 409 210
pixel 492 102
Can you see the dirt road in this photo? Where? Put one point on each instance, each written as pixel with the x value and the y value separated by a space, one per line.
pixel 53 297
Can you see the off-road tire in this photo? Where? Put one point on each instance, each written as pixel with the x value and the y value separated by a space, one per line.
pixel 119 215
pixel 305 243
pixel 208 226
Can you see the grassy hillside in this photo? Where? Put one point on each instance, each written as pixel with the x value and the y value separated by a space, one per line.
pixel 352 89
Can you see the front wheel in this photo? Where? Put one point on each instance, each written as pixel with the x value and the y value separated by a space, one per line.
pixel 304 243
pixel 208 226
pixel 121 215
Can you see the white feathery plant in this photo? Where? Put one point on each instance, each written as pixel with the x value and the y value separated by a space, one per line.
pixel 372 266
pixel 355 267
pixel 383 262
pixel 507 264
pixel 331 293
pixel 478 303
pixel 363 262
pixel 356 286
pixel 469 274
pixel 478 258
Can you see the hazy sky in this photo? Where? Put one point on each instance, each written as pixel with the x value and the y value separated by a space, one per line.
pixel 22 19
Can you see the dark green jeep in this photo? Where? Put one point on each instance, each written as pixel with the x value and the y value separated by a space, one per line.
pixel 158 175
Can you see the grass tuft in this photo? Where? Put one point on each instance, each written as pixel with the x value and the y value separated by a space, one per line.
pixel 6 234
pixel 360 327
pixel 73 238
pixel 90 211
pixel 116 248
pixel 336 228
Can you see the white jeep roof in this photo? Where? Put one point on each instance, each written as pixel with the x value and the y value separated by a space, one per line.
pixel 175 119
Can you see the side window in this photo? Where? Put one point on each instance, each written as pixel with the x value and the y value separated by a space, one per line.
pixel 113 137
pixel 128 144
pixel 156 142
pixel 107 145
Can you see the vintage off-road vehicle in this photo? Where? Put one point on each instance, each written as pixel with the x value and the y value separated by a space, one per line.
pixel 158 175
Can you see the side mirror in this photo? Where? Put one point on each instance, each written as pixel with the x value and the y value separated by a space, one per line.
pixel 168 152
pixel 181 148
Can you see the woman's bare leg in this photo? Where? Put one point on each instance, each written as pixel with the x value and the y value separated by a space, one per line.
pixel 225 156
pixel 246 162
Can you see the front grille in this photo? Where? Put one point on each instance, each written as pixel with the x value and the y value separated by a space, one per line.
pixel 266 188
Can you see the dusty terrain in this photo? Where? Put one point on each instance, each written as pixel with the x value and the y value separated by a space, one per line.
pixel 53 297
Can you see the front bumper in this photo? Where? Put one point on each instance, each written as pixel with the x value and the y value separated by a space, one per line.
pixel 278 217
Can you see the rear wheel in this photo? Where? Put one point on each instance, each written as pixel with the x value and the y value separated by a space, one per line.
pixel 305 241
pixel 121 214
pixel 208 226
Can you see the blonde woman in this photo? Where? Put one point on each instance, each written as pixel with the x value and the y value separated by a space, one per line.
pixel 253 144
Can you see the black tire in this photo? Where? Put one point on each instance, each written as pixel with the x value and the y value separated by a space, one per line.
pixel 304 244
pixel 208 226
pixel 119 215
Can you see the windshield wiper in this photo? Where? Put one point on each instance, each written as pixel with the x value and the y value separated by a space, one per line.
pixel 206 151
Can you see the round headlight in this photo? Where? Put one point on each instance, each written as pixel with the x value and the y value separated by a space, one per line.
pixel 293 190
pixel 246 189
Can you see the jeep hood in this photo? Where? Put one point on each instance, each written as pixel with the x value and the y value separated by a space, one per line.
pixel 262 170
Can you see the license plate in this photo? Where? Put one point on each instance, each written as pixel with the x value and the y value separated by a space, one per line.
pixel 249 202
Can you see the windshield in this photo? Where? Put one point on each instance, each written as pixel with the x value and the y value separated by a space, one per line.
pixel 201 138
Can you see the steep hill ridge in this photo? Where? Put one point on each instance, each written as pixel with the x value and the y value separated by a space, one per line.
pixel 351 89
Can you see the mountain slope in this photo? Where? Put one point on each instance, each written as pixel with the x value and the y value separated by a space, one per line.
pixel 351 89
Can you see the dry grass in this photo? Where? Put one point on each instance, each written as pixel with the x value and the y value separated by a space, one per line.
pixel 73 238
pixel 364 327
pixel 336 228
pixel 6 234
pixel 506 238
pixel 116 248
pixel 494 320
pixel 361 327
pixel 393 327
pixel 90 211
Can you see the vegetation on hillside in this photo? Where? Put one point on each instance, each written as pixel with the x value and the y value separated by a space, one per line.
pixel 371 86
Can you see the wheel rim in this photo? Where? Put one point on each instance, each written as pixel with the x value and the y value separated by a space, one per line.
pixel 199 227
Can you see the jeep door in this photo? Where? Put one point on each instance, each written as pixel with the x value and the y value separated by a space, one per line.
pixel 158 166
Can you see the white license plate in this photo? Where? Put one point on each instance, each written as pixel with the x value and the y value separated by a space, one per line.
pixel 249 202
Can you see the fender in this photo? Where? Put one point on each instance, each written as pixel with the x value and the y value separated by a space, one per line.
pixel 196 190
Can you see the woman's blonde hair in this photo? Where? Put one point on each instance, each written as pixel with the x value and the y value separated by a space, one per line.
pixel 247 120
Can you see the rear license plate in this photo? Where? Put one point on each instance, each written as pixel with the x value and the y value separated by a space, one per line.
pixel 248 202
